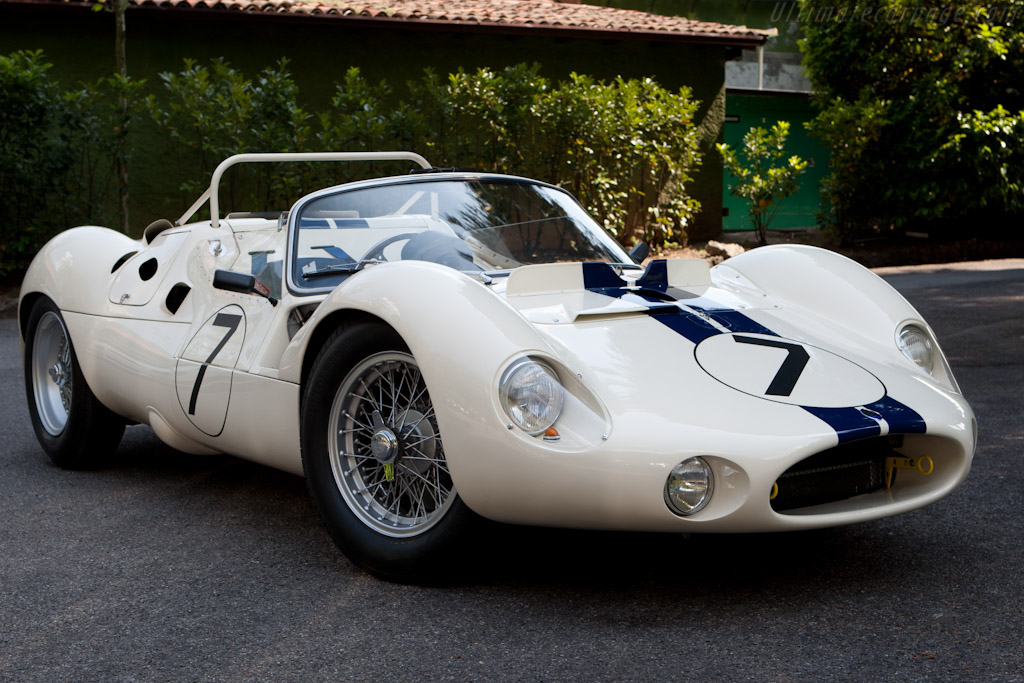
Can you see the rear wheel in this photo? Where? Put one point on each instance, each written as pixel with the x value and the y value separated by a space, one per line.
pixel 374 460
pixel 73 427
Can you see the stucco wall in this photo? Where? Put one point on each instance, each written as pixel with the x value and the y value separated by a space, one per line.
pixel 80 45
pixel 782 58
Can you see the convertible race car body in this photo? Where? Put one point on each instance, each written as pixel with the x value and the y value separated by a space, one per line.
pixel 425 346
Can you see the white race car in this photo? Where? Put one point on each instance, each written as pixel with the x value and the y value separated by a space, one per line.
pixel 432 347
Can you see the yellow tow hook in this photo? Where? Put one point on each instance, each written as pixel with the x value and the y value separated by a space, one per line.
pixel 924 465
pixel 775 490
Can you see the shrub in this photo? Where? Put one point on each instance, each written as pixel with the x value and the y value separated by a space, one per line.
pixel 761 179
pixel 57 153
pixel 33 154
pixel 625 148
pixel 216 112
pixel 920 103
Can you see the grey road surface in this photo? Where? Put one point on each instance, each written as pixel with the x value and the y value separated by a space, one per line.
pixel 169 567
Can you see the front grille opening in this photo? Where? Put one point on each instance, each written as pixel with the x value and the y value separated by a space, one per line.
pixel 845 471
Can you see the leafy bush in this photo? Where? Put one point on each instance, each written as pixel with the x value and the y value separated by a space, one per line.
pixel 33 155
pixel 762 181
pixel 625 148
pixel 57 153
pixel 100 132
pixel 921 104
pixel 216 112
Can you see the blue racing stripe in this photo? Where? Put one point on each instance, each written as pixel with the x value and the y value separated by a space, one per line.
pixel 655 276
pixel 901 418
pixel 687 324
pixel 849 423
pixel 598 276
pixel 601 278
pixel 735 321
pixel 351 223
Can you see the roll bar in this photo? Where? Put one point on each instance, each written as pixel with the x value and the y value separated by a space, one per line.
pixel 212 192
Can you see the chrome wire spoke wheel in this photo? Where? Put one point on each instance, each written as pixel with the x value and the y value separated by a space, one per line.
pixel 385 447
pixel 52 373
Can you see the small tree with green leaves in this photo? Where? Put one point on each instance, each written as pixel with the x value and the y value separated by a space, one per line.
pixel 765 176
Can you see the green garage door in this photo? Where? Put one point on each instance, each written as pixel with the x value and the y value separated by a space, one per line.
pixel 746 109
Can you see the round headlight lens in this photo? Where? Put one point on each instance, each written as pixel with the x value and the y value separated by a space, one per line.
pixel 917 345
pixel 532 396
pixel 689 486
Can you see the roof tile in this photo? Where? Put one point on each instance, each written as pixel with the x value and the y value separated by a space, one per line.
pixel 523 13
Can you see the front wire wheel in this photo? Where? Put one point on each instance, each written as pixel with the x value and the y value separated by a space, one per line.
pixel 385 447
pixel 374 461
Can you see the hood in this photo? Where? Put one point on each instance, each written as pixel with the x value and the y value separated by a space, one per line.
pixel 717 352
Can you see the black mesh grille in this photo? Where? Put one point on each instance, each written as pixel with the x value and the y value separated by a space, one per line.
pixel 836 474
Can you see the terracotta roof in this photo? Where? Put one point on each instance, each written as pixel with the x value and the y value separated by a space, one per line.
pixel 495 14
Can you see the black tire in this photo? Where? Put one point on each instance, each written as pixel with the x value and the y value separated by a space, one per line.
pixel 72 426
pixel 351 486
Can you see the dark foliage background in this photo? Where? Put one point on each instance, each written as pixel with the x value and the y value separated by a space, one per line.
pixel 922 105
pixel 625 148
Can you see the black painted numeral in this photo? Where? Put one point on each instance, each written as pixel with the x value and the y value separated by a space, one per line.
pixel 229 321
pixel 787 376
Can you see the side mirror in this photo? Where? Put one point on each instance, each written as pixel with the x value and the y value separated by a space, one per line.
pixel 242 283
pixel 639 252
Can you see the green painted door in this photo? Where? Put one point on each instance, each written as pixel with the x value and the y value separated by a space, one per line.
pixel 745 109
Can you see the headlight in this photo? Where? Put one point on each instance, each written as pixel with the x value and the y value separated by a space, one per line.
pixel 531 395
pixel 917 345
pixel 689 486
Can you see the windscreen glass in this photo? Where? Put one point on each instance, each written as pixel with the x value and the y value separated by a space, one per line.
pixel 468 224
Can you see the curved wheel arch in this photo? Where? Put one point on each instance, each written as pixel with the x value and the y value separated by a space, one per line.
pixel 327 327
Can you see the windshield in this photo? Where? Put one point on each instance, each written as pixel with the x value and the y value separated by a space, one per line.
pixel 488 224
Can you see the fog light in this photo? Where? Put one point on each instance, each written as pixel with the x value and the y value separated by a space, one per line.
pixel 689 486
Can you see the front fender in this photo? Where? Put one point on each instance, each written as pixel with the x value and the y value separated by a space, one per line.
pixel 462 336
pixel 828 285
pixel 446 318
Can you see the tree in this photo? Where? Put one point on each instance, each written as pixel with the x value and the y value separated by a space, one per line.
pixel 922 106
pixel 118 8
pixel 762 179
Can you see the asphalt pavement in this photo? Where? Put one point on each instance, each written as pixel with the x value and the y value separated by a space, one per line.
pixel 171 567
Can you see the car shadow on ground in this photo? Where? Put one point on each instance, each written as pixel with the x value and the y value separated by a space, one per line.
pixel 261 499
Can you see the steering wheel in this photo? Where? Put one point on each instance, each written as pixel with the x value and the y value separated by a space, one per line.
pixel 376 252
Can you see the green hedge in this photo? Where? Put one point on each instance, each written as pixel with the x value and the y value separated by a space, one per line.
pixel 626 148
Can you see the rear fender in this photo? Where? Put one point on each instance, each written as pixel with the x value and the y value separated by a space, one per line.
pixel 74 270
